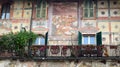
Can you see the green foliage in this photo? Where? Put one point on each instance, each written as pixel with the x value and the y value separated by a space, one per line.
pixel 7 41
pixel 22 39
pixel 17 41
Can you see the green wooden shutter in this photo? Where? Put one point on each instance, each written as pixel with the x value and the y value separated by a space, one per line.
pixel 46 41
pixel 79 38
pixel 99 38
pixel 46 38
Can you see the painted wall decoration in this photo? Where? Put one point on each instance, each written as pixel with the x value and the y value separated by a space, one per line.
pixel 64 18
pixel 5 26
pixel 39 26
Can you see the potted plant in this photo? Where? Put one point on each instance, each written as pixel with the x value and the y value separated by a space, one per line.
pixel 55 49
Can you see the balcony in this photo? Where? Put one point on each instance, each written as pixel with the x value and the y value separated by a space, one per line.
pixel 76 52
pixel 62 52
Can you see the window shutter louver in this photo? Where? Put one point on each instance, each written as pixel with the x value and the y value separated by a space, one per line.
pixel 99 38
pixel 46 38
pixel 79 38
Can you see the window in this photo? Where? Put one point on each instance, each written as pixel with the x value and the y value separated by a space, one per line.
pixel 85 39
pixel 41 9
pixel 40 41
pixel 5 12
pixel 88 39
pixel 88 8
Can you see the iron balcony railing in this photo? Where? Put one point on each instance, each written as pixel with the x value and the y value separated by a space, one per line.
pixel 65 52
pixel 76 51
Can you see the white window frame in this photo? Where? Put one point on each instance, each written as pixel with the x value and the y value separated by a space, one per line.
pixel 88 39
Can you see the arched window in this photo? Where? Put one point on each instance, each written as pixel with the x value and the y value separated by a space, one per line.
pixel 5 12
pixel 88 8
pixel 40 40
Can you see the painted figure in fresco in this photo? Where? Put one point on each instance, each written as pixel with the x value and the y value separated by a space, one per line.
pixel 64 18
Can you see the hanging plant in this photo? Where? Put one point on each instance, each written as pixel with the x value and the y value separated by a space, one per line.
pixel 64 50
pixel 75 51
pixel 42 48
pixel 55 49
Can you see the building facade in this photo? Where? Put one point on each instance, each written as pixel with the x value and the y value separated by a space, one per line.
pixel 63 19
pixel 67 23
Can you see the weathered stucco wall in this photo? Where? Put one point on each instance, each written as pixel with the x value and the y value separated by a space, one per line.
pixel 8 63
pixel 64 18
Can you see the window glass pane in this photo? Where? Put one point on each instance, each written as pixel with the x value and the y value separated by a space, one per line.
pixel 91 12
pixel 37 41
pixel 41 9
pixel 3 16
pixel 85 40
pixel 88 8
pixel 92 40
pixel 38 12
pixel 85 4
pixel 39 3
pixel 5 11
pixel 86 13
pixel 43 12
pixel 7 15
pixel 42 41
pixel 90 4
pixel 7 8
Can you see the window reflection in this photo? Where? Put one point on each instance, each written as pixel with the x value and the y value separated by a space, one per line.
pixel 40 41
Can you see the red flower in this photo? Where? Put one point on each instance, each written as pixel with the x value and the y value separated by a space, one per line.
pixel 55 49
pixel 42 48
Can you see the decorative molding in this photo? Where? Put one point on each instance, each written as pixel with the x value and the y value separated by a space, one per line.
pixel 88 29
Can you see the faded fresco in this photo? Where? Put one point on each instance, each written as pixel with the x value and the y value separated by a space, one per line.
pixel 64 19
pixel 39 26
pixel 5 26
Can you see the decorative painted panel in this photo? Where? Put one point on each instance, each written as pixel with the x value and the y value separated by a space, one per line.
pixel 64 18
pixel 102 12
pixel 105 39
pixel 115 27
pixel 18 24
pixel 27 14
pixel 26 25
pixel 16 27
pixel 115 12
pixel 39 26
pixel 102 4
pixel 5 26
pixel 114 4
pixel 115 39
pixel 17 14
pixel 88 23
pixel 28 4
pixel 103 26
pixel 18 4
